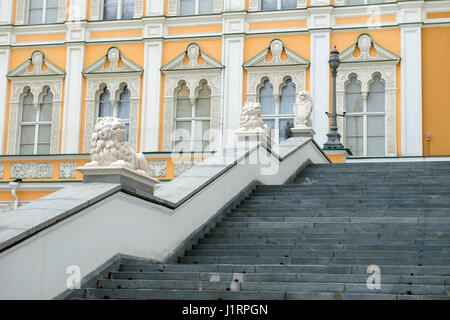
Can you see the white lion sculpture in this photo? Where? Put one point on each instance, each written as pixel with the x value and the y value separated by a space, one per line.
pixel 251 118
pixel 110 148
pixel 302 110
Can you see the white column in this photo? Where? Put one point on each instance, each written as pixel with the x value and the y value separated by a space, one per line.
pixel 4 63
pixel 70 139
pixel 320 83
pixel 411 90
pixel 6 12
pixel 151 95
pixel 154 8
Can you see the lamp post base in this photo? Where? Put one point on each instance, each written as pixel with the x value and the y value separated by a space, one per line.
pixel 334 141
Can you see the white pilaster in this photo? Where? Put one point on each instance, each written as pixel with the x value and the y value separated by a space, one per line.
pixel 77 10
pixel 72 99
pixel 154 8
pixel 4 63
pixel 411 90
pixel 151 99
pixel 234 5
pixel 320 83
pixel 6 12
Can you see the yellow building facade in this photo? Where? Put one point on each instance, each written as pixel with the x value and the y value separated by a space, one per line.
pixel 178 72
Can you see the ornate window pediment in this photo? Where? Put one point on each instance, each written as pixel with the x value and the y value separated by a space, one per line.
pixel 275 77
pixel 189 75
pixel 34 79
pixel 118 77
pixel 363 64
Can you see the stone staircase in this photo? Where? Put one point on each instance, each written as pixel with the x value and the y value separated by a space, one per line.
pixel 314 238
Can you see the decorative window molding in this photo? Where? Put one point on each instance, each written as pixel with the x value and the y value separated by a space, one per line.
pixel 29 170
pixel 32 75
pixel 365 67
pixel 173 7
pixel 256 5
pixel 23 7
pixel 200 68
pixel 96 10
pixel 275 64
pixel 120 73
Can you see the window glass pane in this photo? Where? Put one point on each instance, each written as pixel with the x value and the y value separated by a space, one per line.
pixel 354 2
pixel 36 4
pixel 52 4
pixel 268 4
pixel 45 112
pixel 184 107
pixel 289 4
pixel 105 109
pixel 201 135
pixel 28 110
pixel 353 96
pixel 27 134
pixel 51 15
pixel 127 129
pixel 266 99
pixel 375 99
pixel 110 9
pixel 271 125
pixel 124 104
pixel 35 16
pixel 354 134
pixel 203 107
pixel 205 6
pixel 44 133
pixel 375 1
pixel 287 98
pixel 43 148
pixel 183 135
pixel 285 129
pixel 128 9
pixel 187 7
pixel 375 136
pixel 26 149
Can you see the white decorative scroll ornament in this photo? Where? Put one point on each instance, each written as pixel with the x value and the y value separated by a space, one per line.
pixel 193 52
pixel 302 110
pixel 109 147
pixel 251 118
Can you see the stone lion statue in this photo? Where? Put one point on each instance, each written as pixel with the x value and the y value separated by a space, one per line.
pixel 302 110
pixel 251 118
pixel 110 148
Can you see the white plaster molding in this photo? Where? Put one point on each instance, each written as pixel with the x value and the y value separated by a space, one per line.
pixel 155 7
pixel 109 147
pixel 365 68
pixel 114 78
pixel 67 170
pixel 38 81
pixel 31 170
pixel 4 57
pixel 158 168
pixel 24 5
pixel 6 14
pixel 320 3
pixel 193 74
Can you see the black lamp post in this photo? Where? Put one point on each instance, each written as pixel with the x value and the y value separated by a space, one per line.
pixel 334 138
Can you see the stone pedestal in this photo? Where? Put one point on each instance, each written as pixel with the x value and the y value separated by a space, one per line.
pixel 129 179
pixel 303 132
pixel 337 155
pixel 255 136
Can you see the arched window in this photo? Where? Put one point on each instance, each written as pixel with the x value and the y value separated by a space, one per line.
pixel 105 108
pixel 365 120
pixel 192 7
pixel 43 11
pixel 192 121
pixel 123 111
pixel 118 9
pixel 35 126
pixel 278 115
pixel 120 110
pixel 278 4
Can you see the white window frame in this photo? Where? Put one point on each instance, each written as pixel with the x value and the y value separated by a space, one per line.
pixel 277 116
pixel 35 123
pixel 256 5
pixel 365 113
pixel 119 10
pixel 173 8
pixel 23 9
pixel 193 119
pixel 97 6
